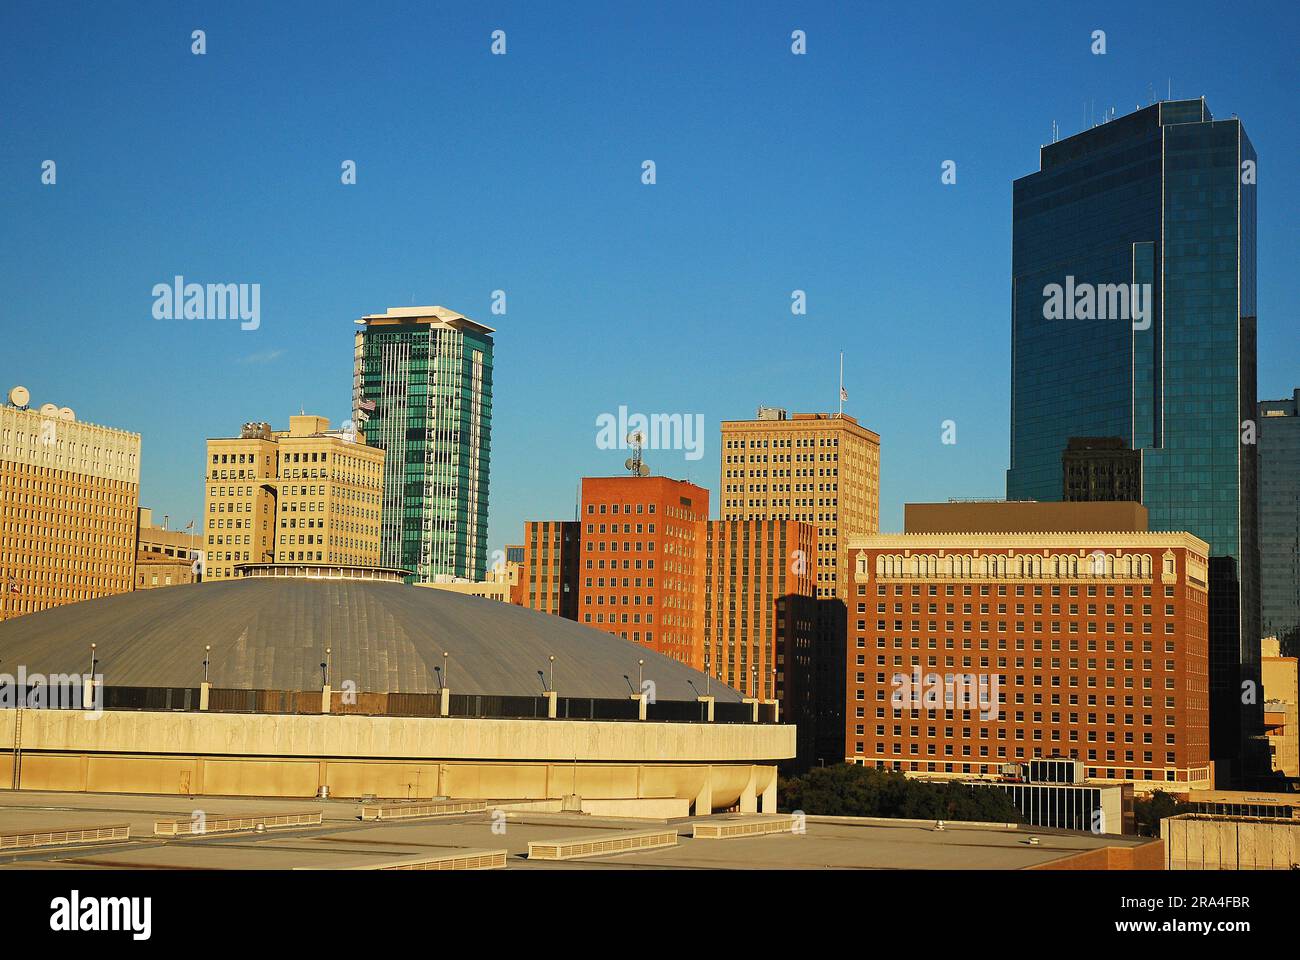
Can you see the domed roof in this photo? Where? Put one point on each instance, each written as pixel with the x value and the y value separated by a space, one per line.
pixel 271 634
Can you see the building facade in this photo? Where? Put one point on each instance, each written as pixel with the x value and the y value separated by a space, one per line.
pixel 307 494
pixel 500 585
pixel 69 492
pixel 164 558
pixel 1279 515
pixel 972 650
pixel 822 469
pixel 817 468
pixel 1100 468
pixel 642 562
pixel 1281 703
pixel 548 573
pixel 760 615
pixel 422 392
pixel 1133 316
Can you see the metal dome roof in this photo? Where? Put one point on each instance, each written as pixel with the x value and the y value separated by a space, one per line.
pixel 386 637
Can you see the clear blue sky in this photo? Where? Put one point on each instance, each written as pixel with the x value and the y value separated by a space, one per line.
pixel 477 172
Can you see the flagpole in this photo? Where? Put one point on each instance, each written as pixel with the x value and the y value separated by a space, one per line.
pixel 841 383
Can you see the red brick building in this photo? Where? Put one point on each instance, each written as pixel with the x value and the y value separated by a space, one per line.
pixel 642 562
pixel 760 614
pixel 736 598
pixel 1089 644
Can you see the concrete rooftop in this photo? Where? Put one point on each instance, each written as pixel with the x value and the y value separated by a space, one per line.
pixel 344 841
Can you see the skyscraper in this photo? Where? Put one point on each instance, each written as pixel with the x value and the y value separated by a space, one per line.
pixel 822 469
pixel 548 567
pixel 1279 515
pixel 422 390
pixel 1133 316
pixel 1006 632
pixel 306 494
pixel 760 616
pixel 642 562
pixel 69 492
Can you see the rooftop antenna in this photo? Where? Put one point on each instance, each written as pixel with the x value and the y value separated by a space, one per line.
pixel 1171 88
pixel 634 463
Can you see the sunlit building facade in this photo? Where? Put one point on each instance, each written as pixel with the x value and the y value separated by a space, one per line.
pixel 69 492
pixel 422 392
pixel 1146 225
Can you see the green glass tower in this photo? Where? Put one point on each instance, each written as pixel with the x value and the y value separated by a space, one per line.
pixel 422 391
pixel 1133 316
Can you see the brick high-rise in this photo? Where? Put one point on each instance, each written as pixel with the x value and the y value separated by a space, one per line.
pixel 1087 636
pixel 642 562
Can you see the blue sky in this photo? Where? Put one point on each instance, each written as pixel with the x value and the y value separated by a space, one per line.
pixel 522 172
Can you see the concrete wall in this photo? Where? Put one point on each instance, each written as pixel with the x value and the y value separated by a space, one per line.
pixel 713 766
pixel 1225 843
pixel 1145 856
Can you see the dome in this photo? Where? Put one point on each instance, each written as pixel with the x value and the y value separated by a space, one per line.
pixel 271 634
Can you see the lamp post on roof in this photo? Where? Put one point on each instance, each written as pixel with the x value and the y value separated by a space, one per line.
pixel 444 695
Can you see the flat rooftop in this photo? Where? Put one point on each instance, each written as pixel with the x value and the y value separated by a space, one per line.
pixel 1025 516
pixel 344 841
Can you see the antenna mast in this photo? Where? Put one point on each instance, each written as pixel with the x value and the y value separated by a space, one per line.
pixel 635 465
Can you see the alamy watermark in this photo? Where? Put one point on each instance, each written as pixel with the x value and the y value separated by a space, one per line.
pixel 1098 301
pixel 658 431
pixel 211 301
pixel 947 691
pixel 55 691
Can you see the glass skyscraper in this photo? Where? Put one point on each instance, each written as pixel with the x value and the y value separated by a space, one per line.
pixel 1279 515
pixel 422 390
pixel 1133 316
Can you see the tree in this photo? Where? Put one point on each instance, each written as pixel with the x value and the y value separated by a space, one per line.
pixel 850 790
pixel 1149 811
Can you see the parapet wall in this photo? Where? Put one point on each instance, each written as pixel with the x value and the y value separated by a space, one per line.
pixel 712 766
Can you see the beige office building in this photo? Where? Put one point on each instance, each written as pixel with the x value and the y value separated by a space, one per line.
pixel 499 584
pixel 1281 701
pixel 306 494
pixel 820 468
pixel 68 498
pixel 163 557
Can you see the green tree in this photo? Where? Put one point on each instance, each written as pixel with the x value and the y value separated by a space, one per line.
pixel 1150 810
pixel 850 790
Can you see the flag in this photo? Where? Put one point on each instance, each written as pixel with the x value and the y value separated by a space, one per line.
pixel 844 395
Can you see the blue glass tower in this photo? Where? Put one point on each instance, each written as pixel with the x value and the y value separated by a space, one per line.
pixel 1133 316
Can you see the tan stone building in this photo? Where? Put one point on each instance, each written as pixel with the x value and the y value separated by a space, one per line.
pixel 499 585
pixel 1280 707
pixel 164 558
pixel 820 468
pixel 68 497
pixel 305 494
